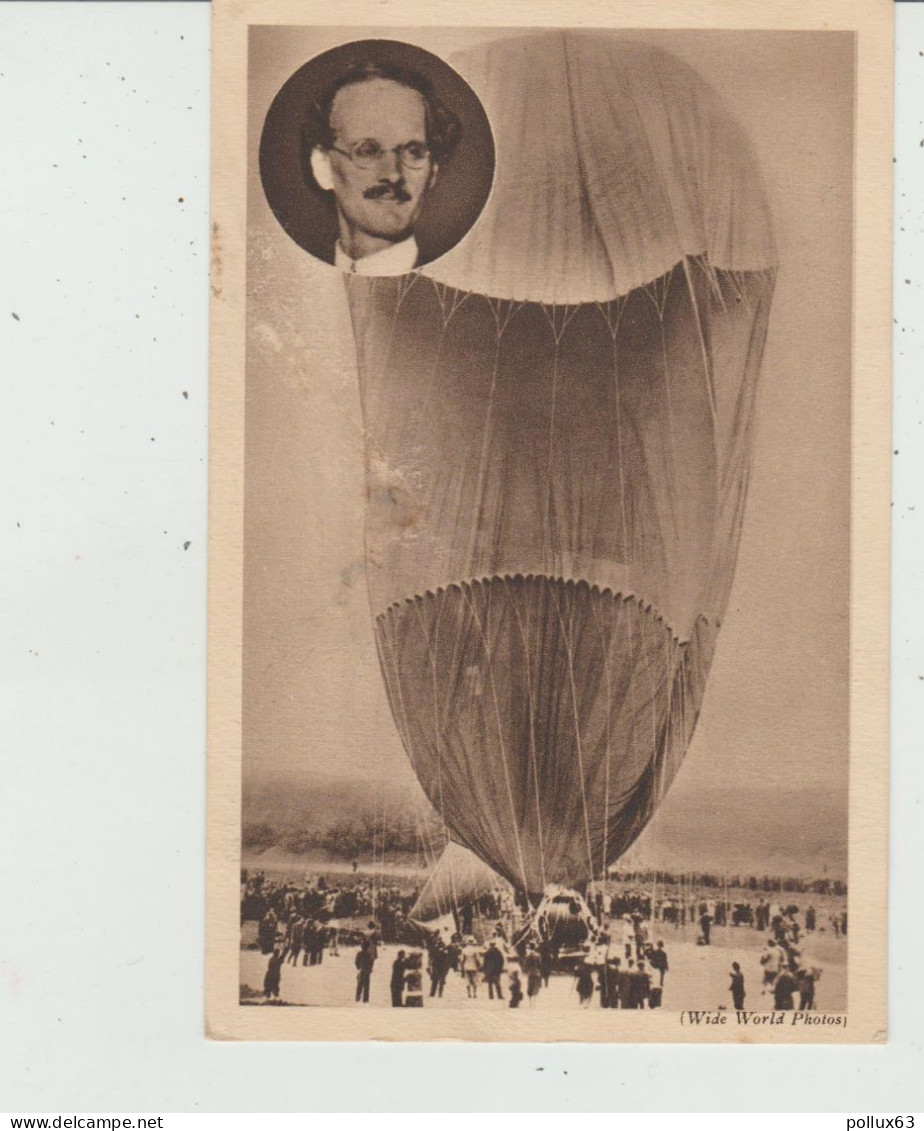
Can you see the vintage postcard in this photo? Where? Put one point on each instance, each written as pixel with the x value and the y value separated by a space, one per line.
pixel 549 521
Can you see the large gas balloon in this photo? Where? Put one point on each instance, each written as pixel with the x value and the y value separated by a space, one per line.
pixel 559 424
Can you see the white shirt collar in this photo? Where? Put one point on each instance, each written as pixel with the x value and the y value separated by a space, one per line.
pixel 395 260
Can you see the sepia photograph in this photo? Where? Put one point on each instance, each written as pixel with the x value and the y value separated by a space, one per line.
pixel 542 523
pixel 463 586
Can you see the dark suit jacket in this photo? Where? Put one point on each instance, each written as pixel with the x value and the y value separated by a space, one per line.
pixel 329 255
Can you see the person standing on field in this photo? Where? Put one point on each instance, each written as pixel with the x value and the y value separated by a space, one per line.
pixel 737 986
pixel 397 979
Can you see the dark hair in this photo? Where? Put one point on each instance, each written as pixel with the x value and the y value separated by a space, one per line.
pixel 443 126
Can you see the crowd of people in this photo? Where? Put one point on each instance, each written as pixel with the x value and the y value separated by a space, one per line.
pixel 522 971
pixel 785 973
pixel 610 950
pixel 307 909
pixel 782 980
pixel 621 970
pixel 759 915
pixel 679 910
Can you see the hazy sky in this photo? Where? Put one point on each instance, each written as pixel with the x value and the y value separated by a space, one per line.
pixel 775 714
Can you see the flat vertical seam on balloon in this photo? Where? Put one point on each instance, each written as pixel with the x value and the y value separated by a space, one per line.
pixel 403 726
pixel 550 313
pixel 488 427
pixel 437 729
pixel 653 694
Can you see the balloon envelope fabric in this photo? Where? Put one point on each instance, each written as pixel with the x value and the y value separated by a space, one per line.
pixel 559 422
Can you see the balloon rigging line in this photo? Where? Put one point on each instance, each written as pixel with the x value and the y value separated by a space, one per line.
pixel 608 677
pixel 568 635
pixel 502 744
pixel 437 729
pixel 532 728
pixel 613 325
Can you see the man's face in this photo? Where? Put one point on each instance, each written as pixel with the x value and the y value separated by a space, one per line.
pixel 380 203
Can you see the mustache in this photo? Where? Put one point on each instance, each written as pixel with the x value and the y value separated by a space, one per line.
pixel 394 189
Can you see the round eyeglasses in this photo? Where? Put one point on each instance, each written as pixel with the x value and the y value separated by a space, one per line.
pixel 366 154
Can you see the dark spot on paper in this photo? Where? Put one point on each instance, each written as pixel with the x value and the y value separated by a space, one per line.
pixel 15 315
pixel 181 200
pixel 186 545
pixel 185 395
pixel 215 262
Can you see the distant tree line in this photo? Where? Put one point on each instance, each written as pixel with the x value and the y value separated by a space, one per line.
pixel 411 833
pixel 749 883
pixel 349 838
